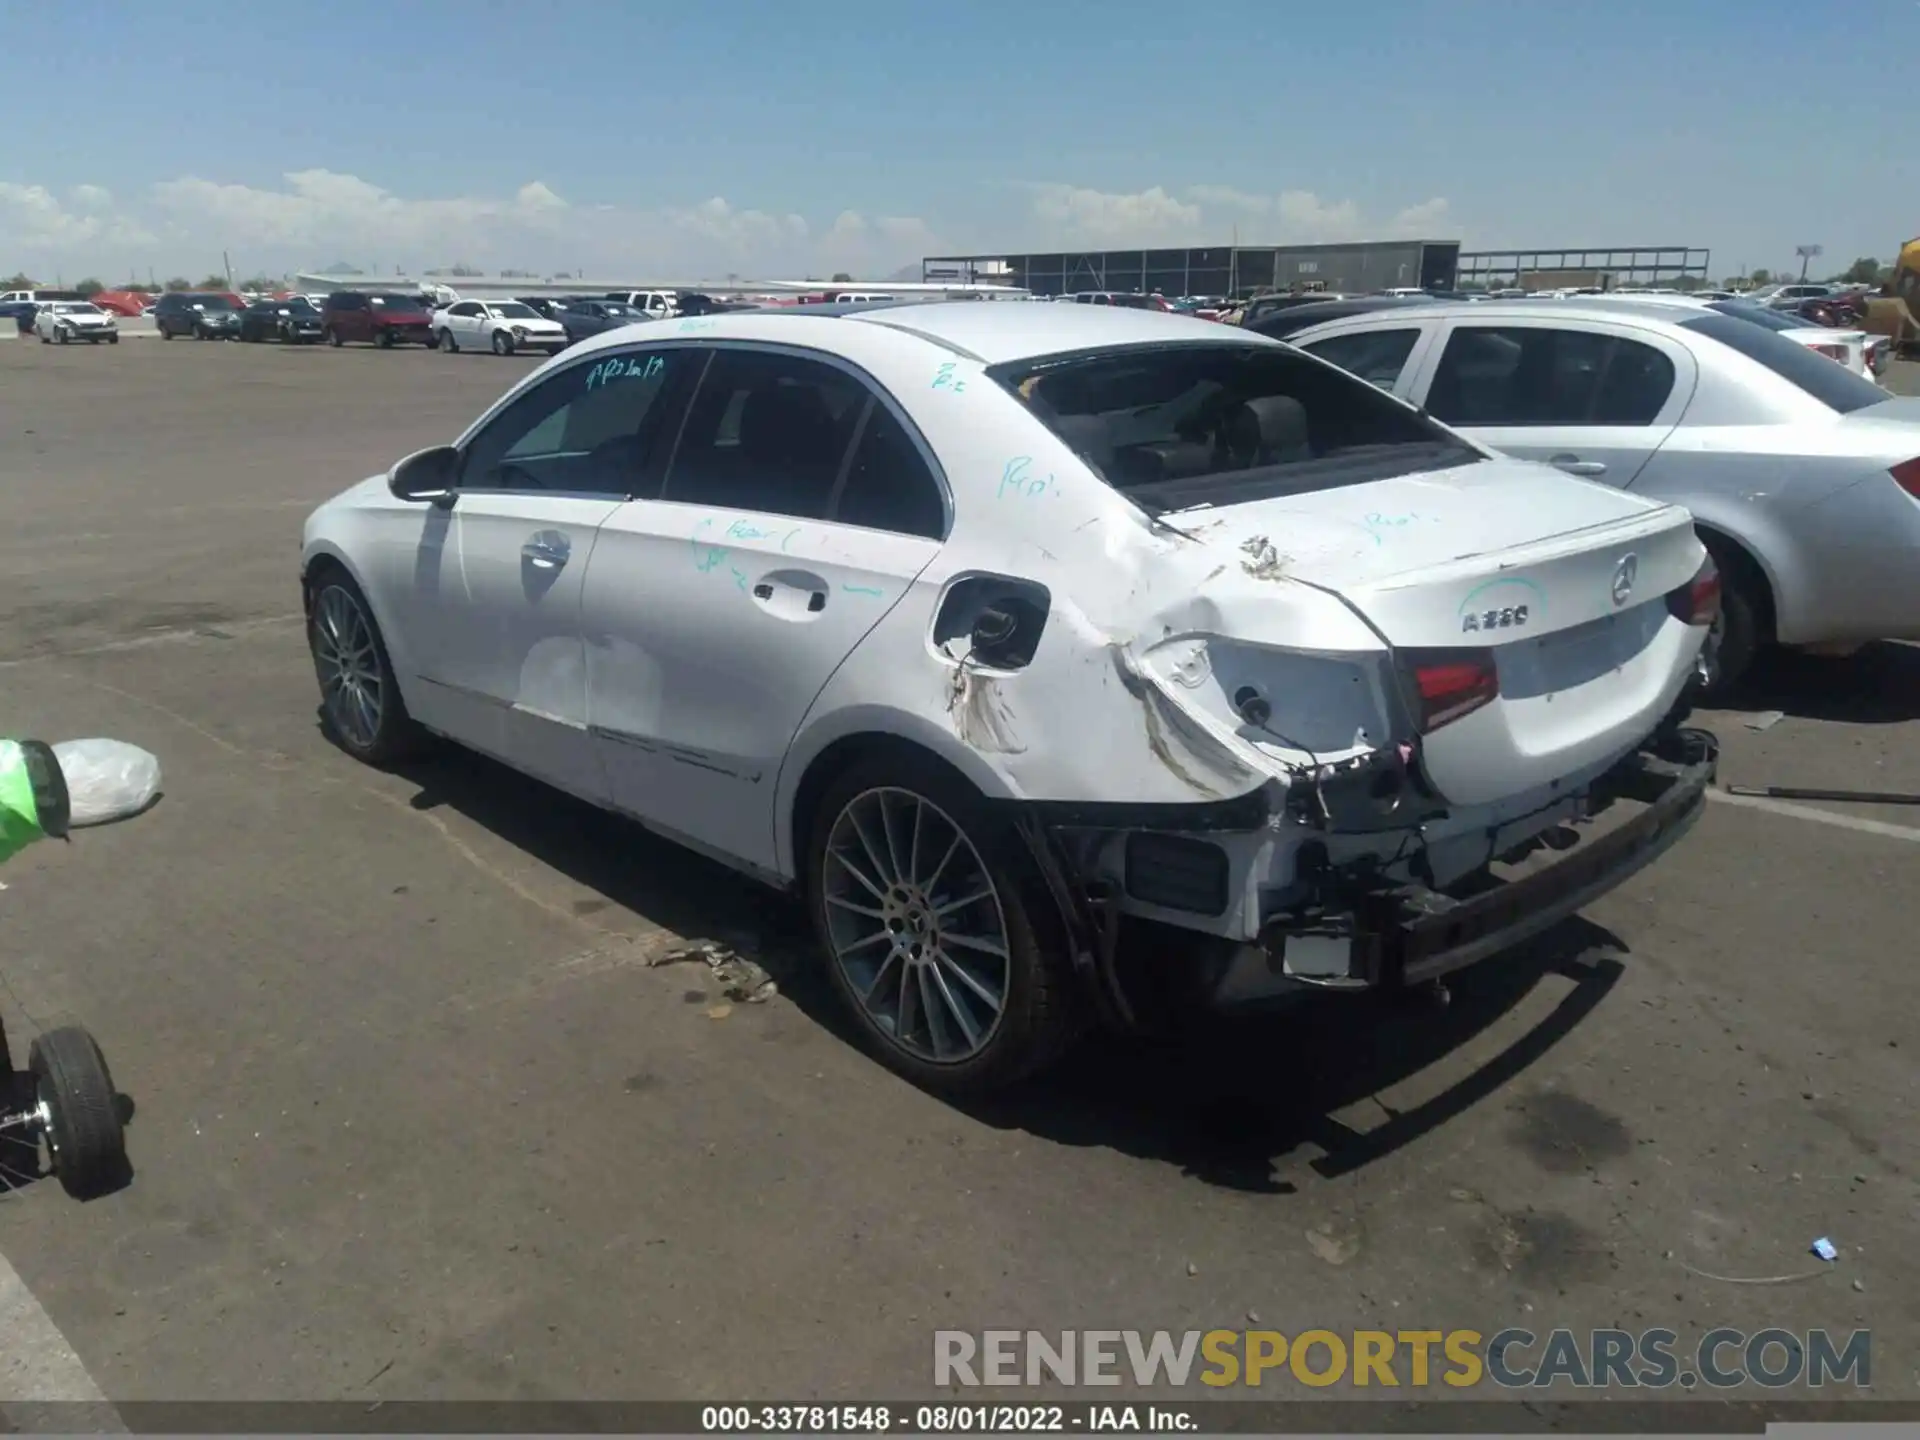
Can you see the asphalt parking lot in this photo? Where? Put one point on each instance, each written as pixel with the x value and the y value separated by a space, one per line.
pixel 417 1118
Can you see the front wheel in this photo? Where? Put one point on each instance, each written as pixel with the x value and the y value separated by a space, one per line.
pixel 502 343
pixel 333 338
pixel 360 702
pixel 385 339
pixel 63 336
pixel 79 1112
pixel 113 339
pixel 165 333
pixel 938 934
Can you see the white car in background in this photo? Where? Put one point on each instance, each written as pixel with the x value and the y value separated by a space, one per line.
pixel 502 326
pixel 654 304
pixel 990 628
pixel 65 321
pixel 1803 478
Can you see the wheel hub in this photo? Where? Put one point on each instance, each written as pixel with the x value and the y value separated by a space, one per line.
pixel 912 923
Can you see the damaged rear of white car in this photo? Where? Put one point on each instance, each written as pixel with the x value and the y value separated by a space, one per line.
pixel 1253 653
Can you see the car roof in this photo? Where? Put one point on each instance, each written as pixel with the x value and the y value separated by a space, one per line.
pixel 996 331
pixel 1640 309
pixel 991 332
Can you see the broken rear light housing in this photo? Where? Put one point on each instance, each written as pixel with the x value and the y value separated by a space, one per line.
pixel 1698 601
pixel 1907 476
pixel 1451 684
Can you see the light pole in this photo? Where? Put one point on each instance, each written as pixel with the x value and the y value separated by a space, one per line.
pixel 1806 253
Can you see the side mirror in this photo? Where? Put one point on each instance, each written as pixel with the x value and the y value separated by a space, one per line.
pixel 426 475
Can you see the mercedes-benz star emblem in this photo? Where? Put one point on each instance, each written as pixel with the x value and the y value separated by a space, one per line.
pixel 1624 574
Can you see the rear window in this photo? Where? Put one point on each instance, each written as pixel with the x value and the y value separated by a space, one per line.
pixel 1827 381
pixel 1177 426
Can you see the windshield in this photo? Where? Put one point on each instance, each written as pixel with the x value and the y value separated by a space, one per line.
pixel 1832 384
pixel 1175 426
pixel 72 307
pixel 406 303
pixel 214 302
pixel 514 310
pixel 617 308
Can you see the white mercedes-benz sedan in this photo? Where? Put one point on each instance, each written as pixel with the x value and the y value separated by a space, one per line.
pixel 1000 632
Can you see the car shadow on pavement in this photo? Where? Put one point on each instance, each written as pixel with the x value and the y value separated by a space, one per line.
pixel 1878 686
pixel 1225 1099
pixel 1228 1099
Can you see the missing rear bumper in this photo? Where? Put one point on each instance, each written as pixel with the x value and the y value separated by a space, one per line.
pixel 1410 934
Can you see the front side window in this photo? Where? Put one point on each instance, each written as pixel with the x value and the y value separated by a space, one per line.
pixel 1174 426
pixel 767 432
pixel 1376 356
pixel 590 429
pixel 1493 376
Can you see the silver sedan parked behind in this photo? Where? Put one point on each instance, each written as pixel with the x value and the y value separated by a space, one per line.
pixel 1803 478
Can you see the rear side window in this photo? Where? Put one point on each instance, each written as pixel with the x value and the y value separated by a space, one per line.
pixel 888 484
pixel 1376 356
pixel 1827 381
pixel 1175 426
pixel 1526 375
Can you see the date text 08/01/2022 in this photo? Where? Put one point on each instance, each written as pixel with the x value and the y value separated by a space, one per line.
pixel 943 1419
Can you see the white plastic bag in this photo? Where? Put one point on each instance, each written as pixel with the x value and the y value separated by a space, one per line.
pixel 107 779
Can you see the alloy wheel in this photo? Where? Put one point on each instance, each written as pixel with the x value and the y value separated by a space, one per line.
pixel 344 653
pixel 915 925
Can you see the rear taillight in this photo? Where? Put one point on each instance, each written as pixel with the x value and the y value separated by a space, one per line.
pixel 1698 601
pixel 1832 352
pixel 1907 476
pixel 1451 684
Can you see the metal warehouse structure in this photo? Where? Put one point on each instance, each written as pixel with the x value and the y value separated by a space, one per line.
pixel 1627 264
pixel 1217 270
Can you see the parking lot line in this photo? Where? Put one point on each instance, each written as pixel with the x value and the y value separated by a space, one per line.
pixel 36 1362
pixel 1819 817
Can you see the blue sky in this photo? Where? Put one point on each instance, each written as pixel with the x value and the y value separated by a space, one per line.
pixel 755 138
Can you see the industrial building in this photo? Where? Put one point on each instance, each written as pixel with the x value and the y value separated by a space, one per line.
pixel 1236 270
pixel 1606 265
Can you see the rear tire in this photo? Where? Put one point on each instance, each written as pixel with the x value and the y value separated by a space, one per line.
pixel 363 711
pixel 847 859
pixel 83 1131
pixel 1735 640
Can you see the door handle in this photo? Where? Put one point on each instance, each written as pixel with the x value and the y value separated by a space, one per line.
pixel 546 550
pixel 763 591
pixel 816 602
pixel 1574 465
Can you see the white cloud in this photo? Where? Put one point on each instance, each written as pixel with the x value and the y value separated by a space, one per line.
pixel 1068 215
pixel 1074 215
pixel 316 217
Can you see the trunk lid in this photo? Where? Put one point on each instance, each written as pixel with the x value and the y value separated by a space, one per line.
pixel 1562 581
